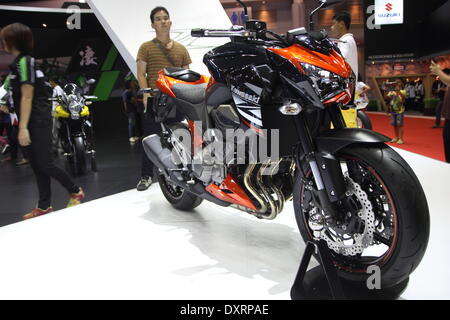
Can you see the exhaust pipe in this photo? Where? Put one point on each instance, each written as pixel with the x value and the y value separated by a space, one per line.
pixel 162 158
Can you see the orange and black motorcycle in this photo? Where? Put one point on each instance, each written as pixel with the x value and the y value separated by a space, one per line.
pixel 348 187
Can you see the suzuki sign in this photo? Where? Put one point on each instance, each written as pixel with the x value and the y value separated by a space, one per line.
pixel 388 12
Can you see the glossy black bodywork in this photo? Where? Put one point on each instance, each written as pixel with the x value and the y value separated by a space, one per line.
pixel 254 80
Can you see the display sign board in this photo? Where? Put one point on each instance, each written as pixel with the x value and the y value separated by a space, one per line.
pixel 389 12
pixel 89 55
pixel 398 67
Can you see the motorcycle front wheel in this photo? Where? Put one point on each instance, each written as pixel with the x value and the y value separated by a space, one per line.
pixel 79 155
pixel 389 227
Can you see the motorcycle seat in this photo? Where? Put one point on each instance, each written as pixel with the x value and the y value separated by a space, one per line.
pixel 182 74
pixel 192 93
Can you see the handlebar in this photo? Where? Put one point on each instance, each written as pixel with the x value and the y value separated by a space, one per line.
pixel 200 33
pixel 254 29
pixel 57 99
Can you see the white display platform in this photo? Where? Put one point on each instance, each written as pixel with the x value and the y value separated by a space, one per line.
pixel 134 245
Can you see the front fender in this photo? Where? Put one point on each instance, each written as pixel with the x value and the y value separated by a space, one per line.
pixel 334 140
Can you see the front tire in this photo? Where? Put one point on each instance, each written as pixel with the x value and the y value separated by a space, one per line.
pixel 396 196
pixel 79 155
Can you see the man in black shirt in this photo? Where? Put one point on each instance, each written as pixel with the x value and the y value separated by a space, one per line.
pixel 439 89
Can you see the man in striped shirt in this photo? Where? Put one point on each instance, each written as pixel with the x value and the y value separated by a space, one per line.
pixel 154 55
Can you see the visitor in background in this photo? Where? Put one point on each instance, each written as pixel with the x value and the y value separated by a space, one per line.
pixel 396 97
pixel 420 94
pixel 154 55
pixel 130 108
pixel 410 102
pixel 361 98
pixel 57 92
pixel 347 46
pixel 445 78
pixel 439 89
pixel 9 123
pixel 30 96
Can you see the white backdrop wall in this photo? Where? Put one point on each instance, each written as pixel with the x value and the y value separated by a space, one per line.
pixel 128 25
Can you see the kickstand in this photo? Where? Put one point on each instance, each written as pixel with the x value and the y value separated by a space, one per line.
pixel 298 291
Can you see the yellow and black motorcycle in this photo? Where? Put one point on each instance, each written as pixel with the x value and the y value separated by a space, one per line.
pixel 75 133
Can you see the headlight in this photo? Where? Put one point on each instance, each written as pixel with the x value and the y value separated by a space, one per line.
pixel 326 83
pixel 75 106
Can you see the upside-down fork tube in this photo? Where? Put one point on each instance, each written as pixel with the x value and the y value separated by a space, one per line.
pixel 327 185
pixel 336 116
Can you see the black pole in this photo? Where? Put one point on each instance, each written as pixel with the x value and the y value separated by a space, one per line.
pixel 245 9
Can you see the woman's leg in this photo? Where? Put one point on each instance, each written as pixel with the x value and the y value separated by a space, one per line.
pixel 41 147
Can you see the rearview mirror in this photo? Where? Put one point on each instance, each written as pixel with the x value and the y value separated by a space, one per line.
pixel 323 4
pixel 328 3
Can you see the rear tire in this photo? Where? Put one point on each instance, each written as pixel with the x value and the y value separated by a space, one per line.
pixel 177 196
pixel 405 200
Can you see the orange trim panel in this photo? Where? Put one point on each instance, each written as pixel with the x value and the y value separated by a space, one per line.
pixel 197 142
pixel 237 195
pixel 165 83
pixel 333 62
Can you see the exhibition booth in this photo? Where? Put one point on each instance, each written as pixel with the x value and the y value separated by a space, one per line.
pixel 126 244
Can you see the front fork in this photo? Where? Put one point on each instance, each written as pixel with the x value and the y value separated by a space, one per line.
pixel 325 168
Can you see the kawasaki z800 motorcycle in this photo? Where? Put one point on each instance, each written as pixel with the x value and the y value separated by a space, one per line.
pixel 348 187
pixel 75 129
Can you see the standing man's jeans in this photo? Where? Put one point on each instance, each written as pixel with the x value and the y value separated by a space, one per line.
pixel 438 113
pixel 131 124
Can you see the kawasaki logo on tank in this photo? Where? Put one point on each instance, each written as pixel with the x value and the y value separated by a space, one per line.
pixel 245 96
pixel 388 12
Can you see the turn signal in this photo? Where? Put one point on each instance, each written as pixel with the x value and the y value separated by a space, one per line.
pixel 292 109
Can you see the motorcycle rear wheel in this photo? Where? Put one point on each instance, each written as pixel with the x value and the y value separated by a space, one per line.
pixel 177 196
pixel 395 193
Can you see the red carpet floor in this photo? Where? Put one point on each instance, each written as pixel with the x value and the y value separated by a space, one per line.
pixel 419 135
